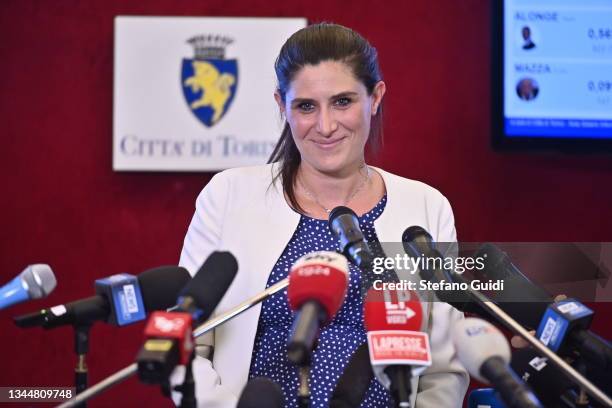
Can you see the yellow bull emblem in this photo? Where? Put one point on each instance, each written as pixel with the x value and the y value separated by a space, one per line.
pixel 215 87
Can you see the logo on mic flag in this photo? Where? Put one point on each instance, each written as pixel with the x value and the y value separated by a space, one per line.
pixel 401 309
pixel 321 274
pixel 127 304
pixel 168 324
pixel 165 325
pixel 398 312
pixel 172 325
pixel 395 347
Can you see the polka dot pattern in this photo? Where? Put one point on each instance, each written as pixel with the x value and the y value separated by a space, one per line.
pixel 337 340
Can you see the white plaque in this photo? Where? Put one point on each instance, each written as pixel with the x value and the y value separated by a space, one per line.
pixel 196 93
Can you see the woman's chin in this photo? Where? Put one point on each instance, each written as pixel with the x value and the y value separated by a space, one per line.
pixel 332 166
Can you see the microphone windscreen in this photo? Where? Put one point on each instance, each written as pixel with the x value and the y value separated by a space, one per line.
pixel 498 266
pixel 417 241
pixel 211 282
pixel 261 392
pixel 392 310
pixel 476 341
pixel 415 233
pixel 321 276
pixel 161 286
pixel 40 280
pixel 521 299
pixel 337 212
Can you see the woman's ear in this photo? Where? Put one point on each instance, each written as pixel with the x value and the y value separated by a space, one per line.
pixel 279 102
pixel 377 96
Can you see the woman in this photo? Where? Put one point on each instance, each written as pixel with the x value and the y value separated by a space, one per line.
pixel 330 91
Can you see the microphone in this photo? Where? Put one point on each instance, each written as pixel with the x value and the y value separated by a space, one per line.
pixel 398 349
pixel 317 287
pixel 562 326
pixel 519 294
pixel 120 300
pixel 417 242
pixel 169 335
pixel 344 225
pixel 354 381
pixel 35 282
pixel 261 392
pixel 550 385
pixel 485 353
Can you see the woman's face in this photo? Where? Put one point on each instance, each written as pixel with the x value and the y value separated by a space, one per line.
pixel 329 112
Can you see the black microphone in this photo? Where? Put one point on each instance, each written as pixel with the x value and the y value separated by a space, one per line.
pixel 562 326
pixel 519 293
pixel 551 386
pixel 355 380
pixel 261 392
pixel 484 352
pixel 417 242
pixel 158 289
pixel 344 224
pixel 203 293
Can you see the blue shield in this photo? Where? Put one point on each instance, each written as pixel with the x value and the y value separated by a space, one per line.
pixel 209 86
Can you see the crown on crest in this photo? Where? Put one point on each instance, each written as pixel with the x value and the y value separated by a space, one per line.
pixel 209 46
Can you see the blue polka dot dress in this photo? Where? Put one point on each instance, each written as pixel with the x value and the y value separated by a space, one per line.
pixel 337 340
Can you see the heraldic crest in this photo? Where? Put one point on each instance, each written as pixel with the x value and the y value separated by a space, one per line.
pixel 209 80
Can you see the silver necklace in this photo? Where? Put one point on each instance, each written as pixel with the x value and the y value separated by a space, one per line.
pixel 350 197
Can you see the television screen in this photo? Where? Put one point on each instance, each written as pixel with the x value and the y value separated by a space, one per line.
pixel 552 79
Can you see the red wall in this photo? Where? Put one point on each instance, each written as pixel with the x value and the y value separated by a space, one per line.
pixel 63 205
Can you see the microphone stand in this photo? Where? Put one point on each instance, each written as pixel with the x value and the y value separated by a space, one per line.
pixel 400 385
pixel 303 395
pixel 81 348
pixel 188 387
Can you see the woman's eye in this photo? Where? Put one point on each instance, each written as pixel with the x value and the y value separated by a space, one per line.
pixel 343 101
pixel 306 106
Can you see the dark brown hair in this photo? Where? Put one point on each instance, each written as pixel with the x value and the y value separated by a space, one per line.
pixel 310 46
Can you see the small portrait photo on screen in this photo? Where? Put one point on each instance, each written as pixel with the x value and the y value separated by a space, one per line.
pixel 526 36
pixel 527 89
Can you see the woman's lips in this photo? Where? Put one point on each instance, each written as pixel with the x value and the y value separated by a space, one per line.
pixel 328 144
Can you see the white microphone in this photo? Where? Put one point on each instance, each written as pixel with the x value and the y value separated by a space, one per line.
pixel 484 352
pixel 35 282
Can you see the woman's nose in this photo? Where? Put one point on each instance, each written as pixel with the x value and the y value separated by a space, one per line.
pixel 326 124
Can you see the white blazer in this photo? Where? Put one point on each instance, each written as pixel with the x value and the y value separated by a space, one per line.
pixel 240 211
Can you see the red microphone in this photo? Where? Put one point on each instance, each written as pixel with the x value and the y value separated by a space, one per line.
pixel 398 348
pixel 317 287
pixel 169 341
pixel 169 338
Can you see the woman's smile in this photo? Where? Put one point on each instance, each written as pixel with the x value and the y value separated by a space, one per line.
pixel 328 144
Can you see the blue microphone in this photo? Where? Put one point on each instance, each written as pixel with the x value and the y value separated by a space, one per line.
pixel 120 299
pixel 35 282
